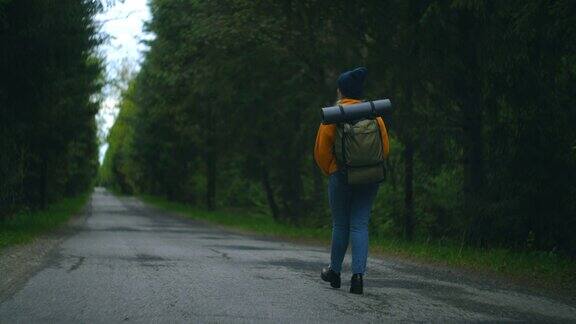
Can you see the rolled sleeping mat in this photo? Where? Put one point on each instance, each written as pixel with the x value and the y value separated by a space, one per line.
pixel 367 109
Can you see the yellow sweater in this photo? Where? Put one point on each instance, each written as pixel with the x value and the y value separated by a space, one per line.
pixel 323 150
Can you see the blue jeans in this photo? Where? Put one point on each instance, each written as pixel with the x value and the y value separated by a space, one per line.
pixel 351 207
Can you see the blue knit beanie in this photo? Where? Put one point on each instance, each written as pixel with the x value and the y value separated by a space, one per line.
pixel 351 83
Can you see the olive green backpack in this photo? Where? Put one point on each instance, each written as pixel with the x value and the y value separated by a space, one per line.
pixel 358 150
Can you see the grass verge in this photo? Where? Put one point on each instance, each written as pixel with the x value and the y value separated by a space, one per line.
pixel 538 268
pixel 254 223
pixel 542 269
pixel 26 225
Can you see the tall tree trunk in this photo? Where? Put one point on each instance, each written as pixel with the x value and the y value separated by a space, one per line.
pixel 473 171
pixel 44 183
pixel 473 157
pixel 270 194
pixel 470 94
pixel 291 193
pixel 211 183
pixel 409 190
pixel 318 194
pixel 211 162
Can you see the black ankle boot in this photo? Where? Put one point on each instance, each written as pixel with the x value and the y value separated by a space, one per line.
pixel 356 284
pixel 331 276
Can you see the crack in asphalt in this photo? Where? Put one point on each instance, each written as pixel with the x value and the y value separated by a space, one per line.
pixel 77 264
pixel 222 254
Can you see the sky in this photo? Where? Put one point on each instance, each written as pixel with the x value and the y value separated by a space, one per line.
pixel 123 22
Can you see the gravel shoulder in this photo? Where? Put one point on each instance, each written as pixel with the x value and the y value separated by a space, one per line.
pixel 20 262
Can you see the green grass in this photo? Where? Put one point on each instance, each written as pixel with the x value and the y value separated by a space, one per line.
pixel 539 268
pixel 26 225
pixel 255 223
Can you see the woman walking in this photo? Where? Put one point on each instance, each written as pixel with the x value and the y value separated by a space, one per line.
pixel 350 204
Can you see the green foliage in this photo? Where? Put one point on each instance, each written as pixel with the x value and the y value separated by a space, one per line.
pixel 117 171
pixel 225 112
pixel 250 221
pixel 23 226
pixel 543 268
pixel 49 76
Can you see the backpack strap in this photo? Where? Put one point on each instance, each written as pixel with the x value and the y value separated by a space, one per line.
pixel 343 147
pixel 373 109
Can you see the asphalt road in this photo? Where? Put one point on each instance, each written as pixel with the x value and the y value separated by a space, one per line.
pixel 130 262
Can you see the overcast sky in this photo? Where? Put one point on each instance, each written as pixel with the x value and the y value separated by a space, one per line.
pixel 123 22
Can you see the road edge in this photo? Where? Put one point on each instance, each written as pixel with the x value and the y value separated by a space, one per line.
pixel 18 263
pixel 470 276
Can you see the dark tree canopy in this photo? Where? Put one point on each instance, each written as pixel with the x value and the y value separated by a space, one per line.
pixel 50 79
pixel 225 109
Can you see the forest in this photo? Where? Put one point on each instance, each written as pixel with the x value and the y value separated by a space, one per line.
pixel 224 111
pixel 50 91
